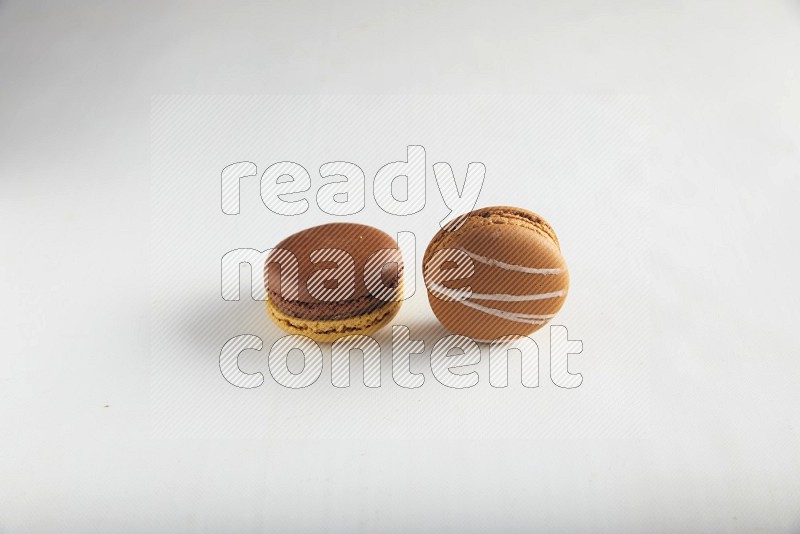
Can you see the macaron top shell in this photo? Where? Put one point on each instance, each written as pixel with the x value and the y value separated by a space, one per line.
pixel 316 250
pixel 519 279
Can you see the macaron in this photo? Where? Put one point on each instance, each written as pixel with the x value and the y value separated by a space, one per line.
pixel 495 272
pixel 334 280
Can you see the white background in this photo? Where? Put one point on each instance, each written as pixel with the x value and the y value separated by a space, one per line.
pixel 720 451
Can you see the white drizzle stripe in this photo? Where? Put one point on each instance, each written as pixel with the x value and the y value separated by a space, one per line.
pixel 461 294
pixel 509 316
pixel 511 266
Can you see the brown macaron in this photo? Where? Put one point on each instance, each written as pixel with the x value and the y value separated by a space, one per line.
pixel 334 280
pixel 494 272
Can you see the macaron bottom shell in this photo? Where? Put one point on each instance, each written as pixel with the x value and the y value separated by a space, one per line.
pixel 330 330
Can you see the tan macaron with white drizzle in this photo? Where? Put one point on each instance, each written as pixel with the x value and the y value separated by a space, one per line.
pixel 494 272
